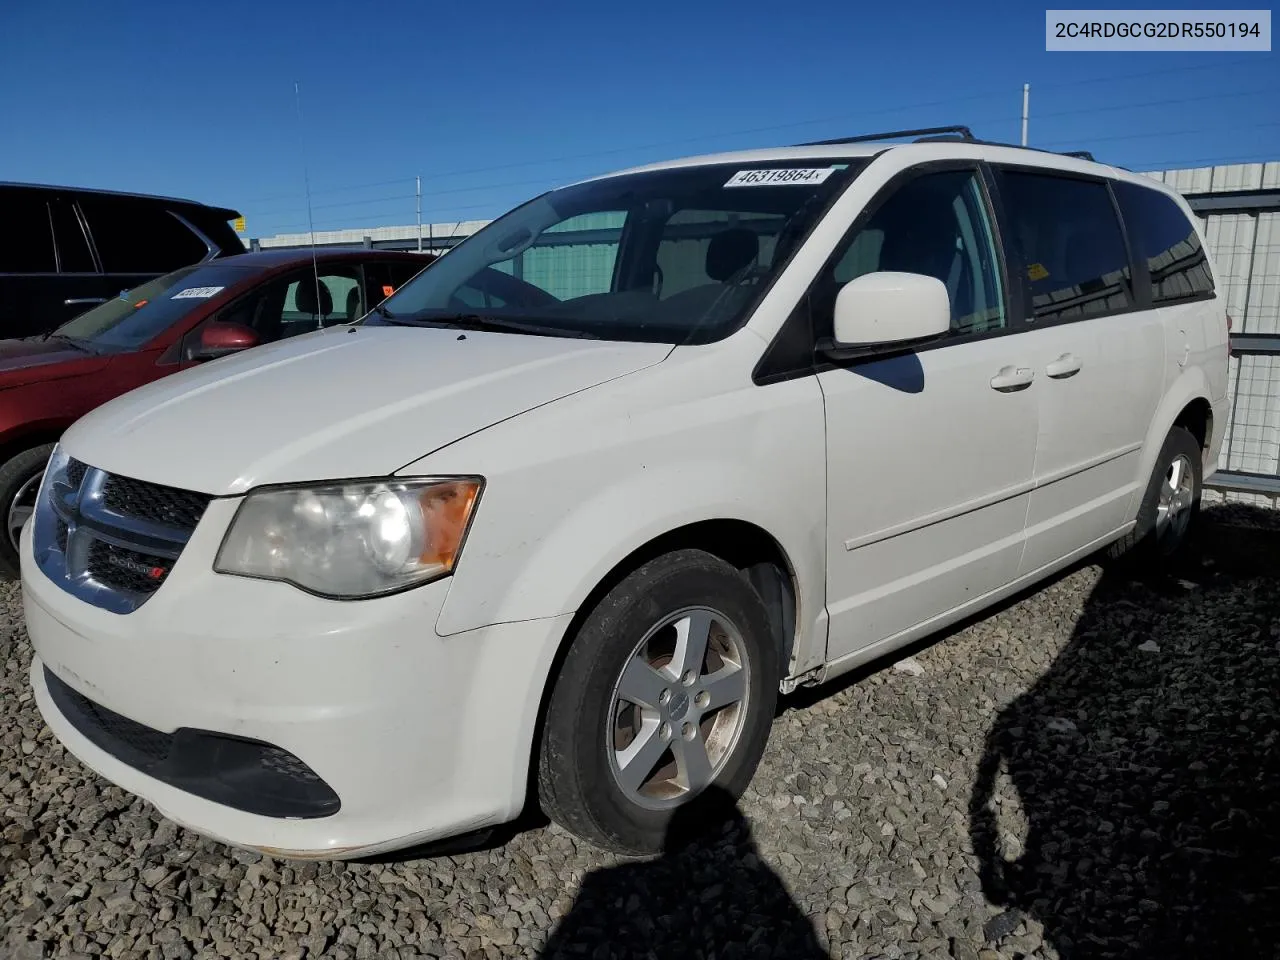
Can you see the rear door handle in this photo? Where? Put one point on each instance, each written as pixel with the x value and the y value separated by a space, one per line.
pixel 1067 365
pixel 77 301
pixel 1011 379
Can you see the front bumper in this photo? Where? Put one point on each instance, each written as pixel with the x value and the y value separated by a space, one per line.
pixel 419 736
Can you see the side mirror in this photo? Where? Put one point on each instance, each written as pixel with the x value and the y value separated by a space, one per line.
pixel 887 312
pixel 221 339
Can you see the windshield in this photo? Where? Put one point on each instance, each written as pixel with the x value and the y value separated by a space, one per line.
pixel 137 315
pixel 672 256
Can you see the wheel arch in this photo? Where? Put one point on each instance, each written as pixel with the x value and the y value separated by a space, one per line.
pixel 744 545
pixel 1185 403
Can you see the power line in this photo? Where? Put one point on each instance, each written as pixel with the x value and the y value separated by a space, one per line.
pixel 1000 93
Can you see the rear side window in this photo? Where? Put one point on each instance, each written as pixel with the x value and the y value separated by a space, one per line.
pixel 1166 240
pixel 1072 249
pixel 26 238
pixel 139 237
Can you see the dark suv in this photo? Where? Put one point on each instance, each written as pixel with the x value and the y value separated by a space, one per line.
pixel 66 249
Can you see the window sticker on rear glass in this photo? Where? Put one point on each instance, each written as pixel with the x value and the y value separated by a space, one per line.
pixel 197 293
pixel 787 175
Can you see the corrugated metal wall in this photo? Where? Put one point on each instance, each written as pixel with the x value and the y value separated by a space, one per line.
pixel 1246 250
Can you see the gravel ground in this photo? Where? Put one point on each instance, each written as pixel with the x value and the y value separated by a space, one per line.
pixel 1088 772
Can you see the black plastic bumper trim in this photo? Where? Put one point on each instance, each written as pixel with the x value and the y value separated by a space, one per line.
pixel 237 772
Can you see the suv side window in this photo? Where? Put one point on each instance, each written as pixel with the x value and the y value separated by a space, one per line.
pixel 1073 251
pixel 26 237
pixel 1167 242
pixel 139 237
pixel 937 224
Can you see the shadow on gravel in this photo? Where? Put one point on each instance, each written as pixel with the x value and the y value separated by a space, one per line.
pixel 708 895
pixel 1130 801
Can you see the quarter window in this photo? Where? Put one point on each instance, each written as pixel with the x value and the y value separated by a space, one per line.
pixel 139 237
pixel 937 225
pixel 1165 239
pixel 1072 249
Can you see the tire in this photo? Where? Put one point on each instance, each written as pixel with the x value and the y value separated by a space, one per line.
pixel 589 726
pixel 1166 525
pixel 19 482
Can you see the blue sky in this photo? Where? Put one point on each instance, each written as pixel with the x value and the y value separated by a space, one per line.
pixel 493 102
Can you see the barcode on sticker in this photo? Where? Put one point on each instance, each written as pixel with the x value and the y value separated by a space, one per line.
pixel 788 175
pixel 196 293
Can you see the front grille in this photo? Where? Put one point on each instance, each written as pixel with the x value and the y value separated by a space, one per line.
pixel 153 501
pixel 248 775
pixel 75 473
pixel 112 540
pixel 127 569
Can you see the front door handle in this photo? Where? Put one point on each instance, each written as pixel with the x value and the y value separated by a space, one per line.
pixel 1011 379
pixel 77 301
pixel 1067 365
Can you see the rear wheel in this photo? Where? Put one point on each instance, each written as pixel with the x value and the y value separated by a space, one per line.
pixel 19 483
pixel 668 688
pixel 1170 508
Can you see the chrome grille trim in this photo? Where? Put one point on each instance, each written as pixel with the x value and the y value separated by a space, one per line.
pixel 74 522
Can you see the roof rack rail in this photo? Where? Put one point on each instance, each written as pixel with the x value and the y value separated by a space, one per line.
pixel 963 133
pixel 1082 154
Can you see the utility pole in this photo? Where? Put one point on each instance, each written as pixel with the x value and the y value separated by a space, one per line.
pixel 418 178
pixel 1026 106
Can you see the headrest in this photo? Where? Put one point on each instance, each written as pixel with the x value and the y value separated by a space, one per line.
pixel 307 298
pixel 731 250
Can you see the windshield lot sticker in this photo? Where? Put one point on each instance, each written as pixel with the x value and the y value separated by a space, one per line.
pixel 788 175
pixel 197 293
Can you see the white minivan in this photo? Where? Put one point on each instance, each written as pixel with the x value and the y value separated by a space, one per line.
pixel 561 518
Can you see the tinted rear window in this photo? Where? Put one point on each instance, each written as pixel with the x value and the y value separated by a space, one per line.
pixel 1166 240
pixel 1073 251
pixel 139 236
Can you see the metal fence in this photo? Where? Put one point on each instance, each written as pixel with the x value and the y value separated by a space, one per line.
pixel 1239 207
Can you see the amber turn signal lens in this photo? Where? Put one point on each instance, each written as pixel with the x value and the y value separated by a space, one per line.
pixel 447 508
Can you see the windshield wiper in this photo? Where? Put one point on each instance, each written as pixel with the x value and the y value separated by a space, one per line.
pixel 73 341
pixel 476 321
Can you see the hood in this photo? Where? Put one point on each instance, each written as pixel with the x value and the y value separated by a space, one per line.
pixel 344 402
pixel 25 361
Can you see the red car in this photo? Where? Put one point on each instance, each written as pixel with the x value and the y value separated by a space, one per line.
pixel 193 314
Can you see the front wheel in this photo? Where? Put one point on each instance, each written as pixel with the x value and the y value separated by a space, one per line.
pixel 19 483
pixel 668 687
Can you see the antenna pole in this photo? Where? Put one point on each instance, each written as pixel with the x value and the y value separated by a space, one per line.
pixel 311 227
pixel 1026 108
pixel 419 180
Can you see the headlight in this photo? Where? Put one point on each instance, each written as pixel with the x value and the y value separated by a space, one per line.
pixel 351 540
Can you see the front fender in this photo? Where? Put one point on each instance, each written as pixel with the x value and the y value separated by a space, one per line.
pixel 572 492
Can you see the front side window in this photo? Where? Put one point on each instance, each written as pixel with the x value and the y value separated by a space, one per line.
pixel 26 239
pixel 1162 236
pixel 137 315
pixel 1072 248
pixel 670 256
pixel 935 224
pixel 300 302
